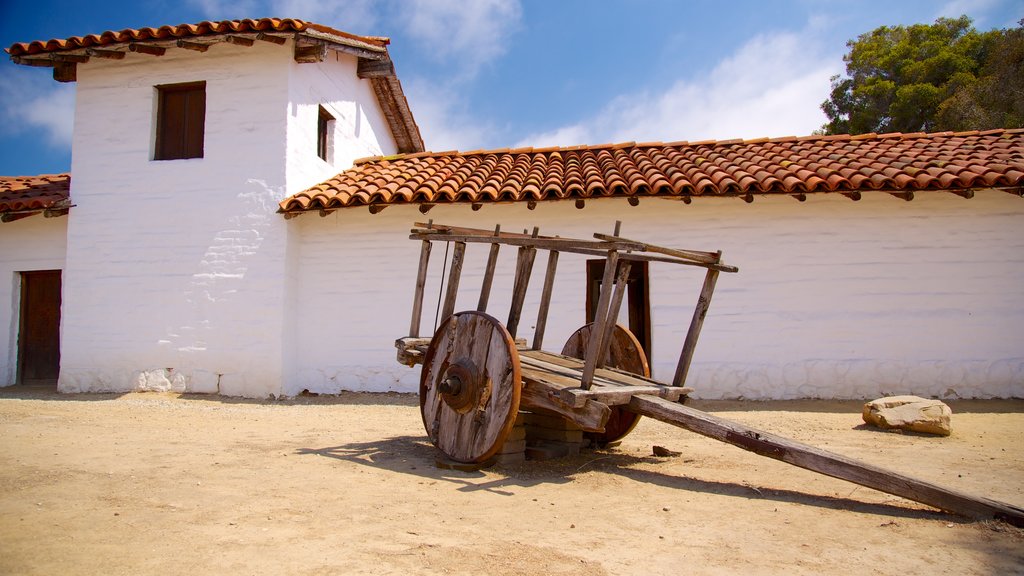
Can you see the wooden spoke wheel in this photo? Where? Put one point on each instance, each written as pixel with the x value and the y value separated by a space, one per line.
pixel 470 386
pixel 624 353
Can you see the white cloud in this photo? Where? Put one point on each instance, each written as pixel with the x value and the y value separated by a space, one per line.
pixel 771 86
pixel 355 16
pixel 468 34
pixel 442 118
pixel 30 101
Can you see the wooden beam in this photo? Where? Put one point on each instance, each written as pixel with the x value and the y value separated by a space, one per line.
pixel 540 394
pixel 595 348
pixel 65 71
pixel 1019 191
pixel 147 49
pixel 907 196
pixel 454 274
pixel 545 300
pixel 855 196
pixel 690 344
pixel 801 197
pixel 107 54
pixel 524 268
pixel 196 46
pixel 963 193
pixel 34 62
pixel 367 68
pixel 621 280
pixel 492 262
pixel 74 58
pixel 377 208
pixel 14 216
pixel 239 40
pixel 824 462
pixel 748 198
pixel 421 282
pixel 310 53
pixel 270 38
pixel 633 201
pixel 705 257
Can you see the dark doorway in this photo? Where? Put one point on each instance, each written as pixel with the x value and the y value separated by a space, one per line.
pixel 39 328
pixel 637 300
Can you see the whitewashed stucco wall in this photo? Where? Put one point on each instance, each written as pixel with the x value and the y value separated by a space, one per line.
pixel 834 299
pixel 179 274
pixel 33 243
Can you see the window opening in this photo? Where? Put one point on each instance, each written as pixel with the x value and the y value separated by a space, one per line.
pixel 180 121
pixel 324 129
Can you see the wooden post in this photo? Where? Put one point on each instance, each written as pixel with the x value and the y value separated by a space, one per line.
pixel 695 325
pixel 545 300
pixel 524 267
pixel 825 462
pixel 595 348
pixel 421 281
pixel 453 281
pixel 492 261
pixel 621 281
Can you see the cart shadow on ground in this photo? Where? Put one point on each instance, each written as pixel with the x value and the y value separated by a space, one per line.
pixel 415 456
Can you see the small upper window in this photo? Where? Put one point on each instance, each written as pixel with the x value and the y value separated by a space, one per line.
pixel 324 129
pixel 180 121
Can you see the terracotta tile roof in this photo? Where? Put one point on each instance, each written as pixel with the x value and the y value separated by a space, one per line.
pixel 841 164
pixel 32 193
pixel 207 28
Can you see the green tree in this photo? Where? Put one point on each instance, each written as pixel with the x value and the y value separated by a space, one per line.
pixel 927 77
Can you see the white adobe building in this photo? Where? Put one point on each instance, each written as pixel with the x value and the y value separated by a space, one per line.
pixel 180 265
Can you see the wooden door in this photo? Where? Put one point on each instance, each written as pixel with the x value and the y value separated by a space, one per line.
pixel 637 300
pixel 39 329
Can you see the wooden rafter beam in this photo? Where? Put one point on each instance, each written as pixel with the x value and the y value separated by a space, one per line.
pixel 65 71
pixel 271 38
pixel 108 54
pixel 14 216
pixel 310 53
pixel 906 196
pixel 239 40
pixel 855 196
pixel 963 193
pixel 71 58
pixel 147 49
pixel 196 46
pixel 375 68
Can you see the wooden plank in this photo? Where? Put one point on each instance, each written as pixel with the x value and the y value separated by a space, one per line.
pixel 492 262
pixel 310 53
pixel 454 275
pixel 595 350
pixel 690 344
pixel 603 376
pixel 621 279
pixel 828 463
pixel 524 268
pixel 621 395
pixel 65 71
pixel 421 282
pixel 560 244
pixel 540 394
pixel 545 300
pixel 704 257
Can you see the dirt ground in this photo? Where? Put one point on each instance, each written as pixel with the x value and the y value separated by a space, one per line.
pixel 167 484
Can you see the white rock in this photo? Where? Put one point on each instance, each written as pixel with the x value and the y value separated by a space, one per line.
pixel 909 413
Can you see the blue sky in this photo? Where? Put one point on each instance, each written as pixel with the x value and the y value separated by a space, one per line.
pixel 497 73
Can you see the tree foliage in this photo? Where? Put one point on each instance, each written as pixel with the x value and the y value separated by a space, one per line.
pixel 928 77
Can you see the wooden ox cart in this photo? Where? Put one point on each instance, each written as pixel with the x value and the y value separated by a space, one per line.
pixel 477 375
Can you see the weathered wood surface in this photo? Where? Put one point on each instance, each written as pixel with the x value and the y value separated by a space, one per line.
pixel 624 353
pixel 454 275
pixel 524 268
pixel 545 300
pixel 492 262
pixel 596 347
pixel 421 282
pixel 690 344
pixel 541 394
pixel 825 462
pixel 474 431
pixel 704 257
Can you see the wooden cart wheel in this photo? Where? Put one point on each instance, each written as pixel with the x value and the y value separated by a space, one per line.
pixel 470 386
pixel 624 353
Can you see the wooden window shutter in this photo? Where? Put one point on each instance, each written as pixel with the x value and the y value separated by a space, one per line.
pixel 181 121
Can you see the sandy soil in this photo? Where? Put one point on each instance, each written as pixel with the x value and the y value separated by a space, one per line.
pixel 162 484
